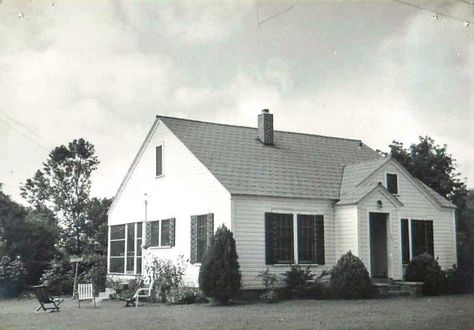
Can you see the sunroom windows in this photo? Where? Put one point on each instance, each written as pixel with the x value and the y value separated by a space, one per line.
pixel 125 255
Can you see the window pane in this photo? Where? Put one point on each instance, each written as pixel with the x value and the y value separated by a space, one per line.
pixel 116 265
pixel 405 242
pixel 117 232
pixel 117 248
pixel 139 246
pixel 155 231
pixel 165 232
pixel 130 264
pixel 392 184
pixel 159 161
pixel 422 237
pixel 306 239
pixel 281 237
pixel 139 265
pixel 139 229
pixel 131 238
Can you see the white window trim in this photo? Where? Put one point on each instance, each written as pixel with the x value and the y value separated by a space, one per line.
pixel 295 236
pixel 398 182
pixel 116 257
pixel 135 242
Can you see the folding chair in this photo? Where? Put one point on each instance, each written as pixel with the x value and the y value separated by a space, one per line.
pixel 140 292
pixel 42 294
pixel 85 292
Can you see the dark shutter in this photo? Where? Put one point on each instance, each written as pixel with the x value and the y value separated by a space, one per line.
pixel 172 231
pixel 147 234
pixel 210 227
pixel 269 238
pixel 319 238
pixel 405 242
pixel 159 160
pixel 194 220
pixel 429 237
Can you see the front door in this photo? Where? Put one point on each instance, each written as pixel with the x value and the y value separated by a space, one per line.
pixel 378 245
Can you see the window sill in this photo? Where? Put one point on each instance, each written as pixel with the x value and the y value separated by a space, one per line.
pixel 159 176
pixel 159 247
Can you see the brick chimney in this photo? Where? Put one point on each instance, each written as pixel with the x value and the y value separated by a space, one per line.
pixel 265 127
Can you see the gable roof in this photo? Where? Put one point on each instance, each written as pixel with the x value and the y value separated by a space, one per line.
pixel 359 193
pixel 298 165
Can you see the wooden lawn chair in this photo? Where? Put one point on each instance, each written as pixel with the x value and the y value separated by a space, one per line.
pixel 45 300
pixel 140 292
pixel 85 292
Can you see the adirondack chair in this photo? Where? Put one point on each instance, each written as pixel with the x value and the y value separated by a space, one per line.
pixel 42 294
pixel 85 292
pixel 140 292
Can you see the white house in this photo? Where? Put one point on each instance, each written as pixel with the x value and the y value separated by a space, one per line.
pixel 289 198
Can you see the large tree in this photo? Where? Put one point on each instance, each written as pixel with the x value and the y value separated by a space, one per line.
pixel 432 164
pixel 63 187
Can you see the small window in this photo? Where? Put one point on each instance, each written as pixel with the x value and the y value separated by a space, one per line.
pixel 202 229
pixel 392 183
pixel 422 237
pixel 310 239
pixel 159 161
pixel 279 238
pixel 201 237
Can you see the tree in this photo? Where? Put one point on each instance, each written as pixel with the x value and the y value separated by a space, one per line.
pixel 63 187
pixel 97 218
pixel 219 275
pixel 433 165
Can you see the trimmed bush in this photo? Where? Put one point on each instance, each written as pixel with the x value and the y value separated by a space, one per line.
pixel 424 268
pixel 219 276
pixel 299 281
pixel 350 279
pixel 181 296
pixel 11 274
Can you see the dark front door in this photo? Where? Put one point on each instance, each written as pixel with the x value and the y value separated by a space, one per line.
pixel 378 245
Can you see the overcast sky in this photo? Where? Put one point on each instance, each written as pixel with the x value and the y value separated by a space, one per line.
pixel 102 70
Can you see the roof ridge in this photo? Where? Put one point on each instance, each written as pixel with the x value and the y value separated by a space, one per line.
pixel 241 126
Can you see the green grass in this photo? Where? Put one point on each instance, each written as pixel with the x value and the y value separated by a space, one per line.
pixel 445 312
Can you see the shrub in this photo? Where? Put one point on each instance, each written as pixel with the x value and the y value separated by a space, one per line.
pixel 268 280
pixel 298 281
pixel 181 296
pixel 58 277
pixel 219 276
pixel 168 276
pixel 461 279
pixel 424 268
pixel 269 297
pixel 11 275
pixel 350 279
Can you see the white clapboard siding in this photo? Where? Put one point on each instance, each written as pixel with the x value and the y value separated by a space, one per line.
pixel 418 206
pixel 248 218
pixel 186 188
pixel 346 234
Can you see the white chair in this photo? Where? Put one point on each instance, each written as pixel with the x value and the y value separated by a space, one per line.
pixel 85 292
pixel 142 292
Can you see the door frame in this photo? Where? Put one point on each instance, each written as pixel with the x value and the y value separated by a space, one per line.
pixel 387 243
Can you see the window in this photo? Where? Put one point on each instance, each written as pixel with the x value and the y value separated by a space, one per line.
pixel 422 237
pixel 117 249
pixel 159 161
pixel 202 228
pixel 420 234
pixel 125 248
pixel 279 238
pixel 161 232
pixel 392 183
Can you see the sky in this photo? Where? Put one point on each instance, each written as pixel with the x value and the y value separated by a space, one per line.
pixel 102 70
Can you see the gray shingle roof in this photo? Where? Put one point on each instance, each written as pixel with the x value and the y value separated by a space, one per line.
pixel 299 165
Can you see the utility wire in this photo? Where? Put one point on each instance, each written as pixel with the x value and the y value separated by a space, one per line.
pixel 433 11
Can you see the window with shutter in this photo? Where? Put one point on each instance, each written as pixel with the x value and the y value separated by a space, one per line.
pixel 422 237
pixel 159 161
pixel 392 183
pixel 154 233
pixel 202 229
pixel 165 232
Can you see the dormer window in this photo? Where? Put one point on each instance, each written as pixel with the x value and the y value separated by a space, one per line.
pixel 392 183
pixel 159 161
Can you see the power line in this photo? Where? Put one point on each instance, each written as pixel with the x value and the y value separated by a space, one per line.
pixel 433 11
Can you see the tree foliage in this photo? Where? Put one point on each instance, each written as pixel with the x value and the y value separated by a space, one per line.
pixel 219 275
pixel 433 165
pixel 63 187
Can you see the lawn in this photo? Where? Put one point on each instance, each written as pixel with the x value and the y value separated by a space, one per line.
pixel 446 312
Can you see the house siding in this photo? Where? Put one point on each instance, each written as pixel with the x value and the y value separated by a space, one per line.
pixel 418 206
pixel 248 217
pixel 186 188
pixel 346 230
